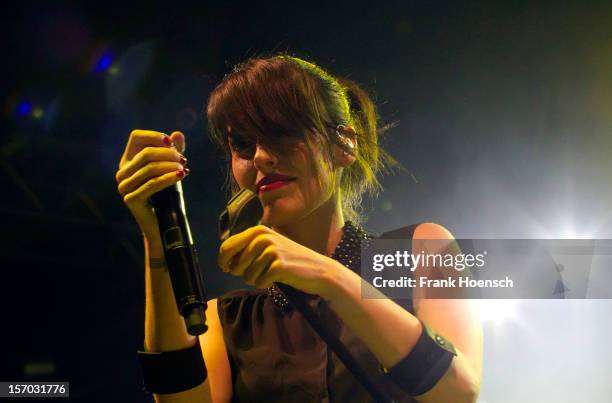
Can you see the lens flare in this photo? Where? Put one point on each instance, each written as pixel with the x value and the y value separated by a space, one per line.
pixel 105 61
pixel 24 108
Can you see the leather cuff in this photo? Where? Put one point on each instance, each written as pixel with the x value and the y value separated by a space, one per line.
pixel 172 371
pixel 423 367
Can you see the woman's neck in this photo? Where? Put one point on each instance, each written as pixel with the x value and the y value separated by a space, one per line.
pixel 321 230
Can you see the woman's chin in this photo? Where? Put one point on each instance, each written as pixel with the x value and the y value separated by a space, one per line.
pixel 277 216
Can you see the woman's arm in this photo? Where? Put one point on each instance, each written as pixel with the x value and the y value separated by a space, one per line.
pixel 215 356
pixel 391 333
pixel 151 162
pixel 165 331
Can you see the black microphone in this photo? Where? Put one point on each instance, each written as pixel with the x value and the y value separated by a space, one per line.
pixel 181 257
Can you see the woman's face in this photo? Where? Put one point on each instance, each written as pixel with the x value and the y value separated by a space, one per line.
pixel 288 201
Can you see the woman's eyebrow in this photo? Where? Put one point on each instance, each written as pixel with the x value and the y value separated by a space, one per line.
pixel 238 137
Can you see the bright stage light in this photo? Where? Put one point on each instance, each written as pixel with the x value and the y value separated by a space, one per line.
pixel 497 311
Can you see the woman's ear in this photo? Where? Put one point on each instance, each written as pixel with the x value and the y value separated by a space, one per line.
pixel 345 146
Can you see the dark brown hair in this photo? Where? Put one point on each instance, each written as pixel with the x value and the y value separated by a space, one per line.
pixel 266 100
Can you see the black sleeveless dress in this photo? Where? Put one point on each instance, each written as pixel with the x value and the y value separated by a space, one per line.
pixel 274 354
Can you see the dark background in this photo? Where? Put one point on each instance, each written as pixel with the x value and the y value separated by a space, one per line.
pixel 505 117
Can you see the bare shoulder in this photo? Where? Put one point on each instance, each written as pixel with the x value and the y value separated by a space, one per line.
pixel 430 230
pixel 456 319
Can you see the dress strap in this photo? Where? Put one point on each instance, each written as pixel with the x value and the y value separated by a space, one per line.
pixel 401 233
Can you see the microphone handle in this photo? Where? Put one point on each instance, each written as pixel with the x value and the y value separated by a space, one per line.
pixel 181 258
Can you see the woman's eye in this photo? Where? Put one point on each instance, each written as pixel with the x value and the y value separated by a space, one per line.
pixel 246 149
pixel 242 148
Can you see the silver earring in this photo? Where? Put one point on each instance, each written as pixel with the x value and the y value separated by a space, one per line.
pixel 348 143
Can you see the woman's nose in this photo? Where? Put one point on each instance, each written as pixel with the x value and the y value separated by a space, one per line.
pixel 264 157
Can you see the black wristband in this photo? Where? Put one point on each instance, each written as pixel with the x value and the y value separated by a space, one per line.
pixel 172 371
pixel 423 367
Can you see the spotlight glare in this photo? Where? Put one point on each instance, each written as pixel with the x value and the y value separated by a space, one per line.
pixel 497 311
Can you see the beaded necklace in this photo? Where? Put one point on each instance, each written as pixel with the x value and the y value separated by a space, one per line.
pixel 348 253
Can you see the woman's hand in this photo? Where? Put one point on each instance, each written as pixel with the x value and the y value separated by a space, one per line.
pixel 151 162
pixel 262 256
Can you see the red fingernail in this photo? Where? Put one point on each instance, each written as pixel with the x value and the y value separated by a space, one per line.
pixel 183 160
pixel 180 174
pixel 167 141
pixel 186 170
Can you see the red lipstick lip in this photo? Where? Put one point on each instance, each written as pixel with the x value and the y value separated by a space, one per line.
pixel 266 180
pixel 273 186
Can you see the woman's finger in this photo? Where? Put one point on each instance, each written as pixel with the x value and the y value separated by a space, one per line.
pixel 259 266
pixel 146 173
pixel 249 254
pixel 146 156
pixel 270 275
pixel 140 139
pixel 153 186
pixel 179 141
pixel 236 243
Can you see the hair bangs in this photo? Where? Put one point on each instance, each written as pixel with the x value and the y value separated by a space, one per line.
pixel 260 102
